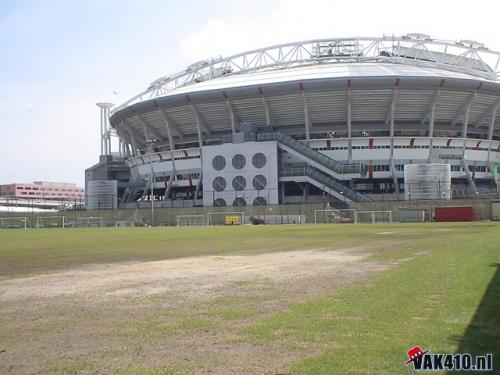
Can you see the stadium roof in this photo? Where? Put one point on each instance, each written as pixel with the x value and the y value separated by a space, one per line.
pixel 277 85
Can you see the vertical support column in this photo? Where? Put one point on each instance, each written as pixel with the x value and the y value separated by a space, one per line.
pixel 307 117
pixel 266 110
pixel 431 129
pixel 134 145
pixel 466 122
pixel 169 134
pixel 492 124
pixel 198 124
pixel 349 121
pixel 231 116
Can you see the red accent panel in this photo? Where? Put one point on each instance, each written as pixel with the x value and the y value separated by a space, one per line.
pixel 165 181
pixel 474 171
pixel 370 170
pixel 185 154
pixel 453 213
pixel 261 92
pixel 188 98
pixel 370 143
pixel 349 83
pixel 301 86
pixel 441 84
pixel 190 178
pixel 397 82
pixel 224 94
pixel 448 143
pixel 477 145
pixel 412 143
pixel 329 144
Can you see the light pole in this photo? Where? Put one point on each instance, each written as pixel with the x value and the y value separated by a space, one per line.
pixel 150 143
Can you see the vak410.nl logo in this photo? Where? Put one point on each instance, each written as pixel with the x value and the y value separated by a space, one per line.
pixel 423 360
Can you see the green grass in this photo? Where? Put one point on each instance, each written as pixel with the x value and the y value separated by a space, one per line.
pixel 446 300
pixel 159 328
pixel 70 367
pixel 25 252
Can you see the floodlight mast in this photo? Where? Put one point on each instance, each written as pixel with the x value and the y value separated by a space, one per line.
pixel 464 56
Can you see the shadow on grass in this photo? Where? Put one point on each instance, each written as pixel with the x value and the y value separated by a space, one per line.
pixel 482 336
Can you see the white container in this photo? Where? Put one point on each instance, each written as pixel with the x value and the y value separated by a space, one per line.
pixel 427 181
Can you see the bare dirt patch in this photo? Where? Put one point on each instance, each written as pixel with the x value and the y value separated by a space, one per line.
pixel 181 313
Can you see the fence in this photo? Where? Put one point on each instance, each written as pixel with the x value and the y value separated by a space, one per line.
pixel 287 213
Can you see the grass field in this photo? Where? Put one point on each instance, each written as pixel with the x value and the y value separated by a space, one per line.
pixel 297 299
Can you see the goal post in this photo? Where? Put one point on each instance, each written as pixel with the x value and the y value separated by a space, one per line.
pixel 190 220
pixel 373 217
pixel 89 221
pixel 14 222
pixel 334 216
pixel 225 218
pixel 50 222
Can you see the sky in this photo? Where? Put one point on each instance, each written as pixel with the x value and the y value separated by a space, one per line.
pixel 58 58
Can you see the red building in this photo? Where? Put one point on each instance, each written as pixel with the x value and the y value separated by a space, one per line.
pixel 43 190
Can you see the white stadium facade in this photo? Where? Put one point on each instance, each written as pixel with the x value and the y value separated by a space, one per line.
pixel 298 122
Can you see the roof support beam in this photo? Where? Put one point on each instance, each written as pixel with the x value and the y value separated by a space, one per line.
pixel 232 116
pixel 466 122
pixel 134 133
pixel 307 116
pixel 393 112
pixel 486 114
pixel 492 124
pixel 169 133
pixel 349 124
pixel 430 107
pixel 464 109
pixel 267 111
pixel 431 119
pixel 392 109
pixel 150 131
pixel 197 120
pixel 171 123
pixel 134 146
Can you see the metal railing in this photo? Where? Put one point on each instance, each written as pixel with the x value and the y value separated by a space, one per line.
pixel 318 157
pixel 325 180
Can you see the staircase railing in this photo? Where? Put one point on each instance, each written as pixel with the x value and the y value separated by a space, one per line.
pixel 318 157
pixel 324 179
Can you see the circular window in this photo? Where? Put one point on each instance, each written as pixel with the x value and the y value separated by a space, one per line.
pixel 259 182
pixel 219 184
pixel 239 161
pixel 239 202
pixel 259 160
pixel 219 202
pixel 259 201
pixel 219 162
pixel 239 183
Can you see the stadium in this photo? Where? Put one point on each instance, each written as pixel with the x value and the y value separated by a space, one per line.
pixel 336 119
